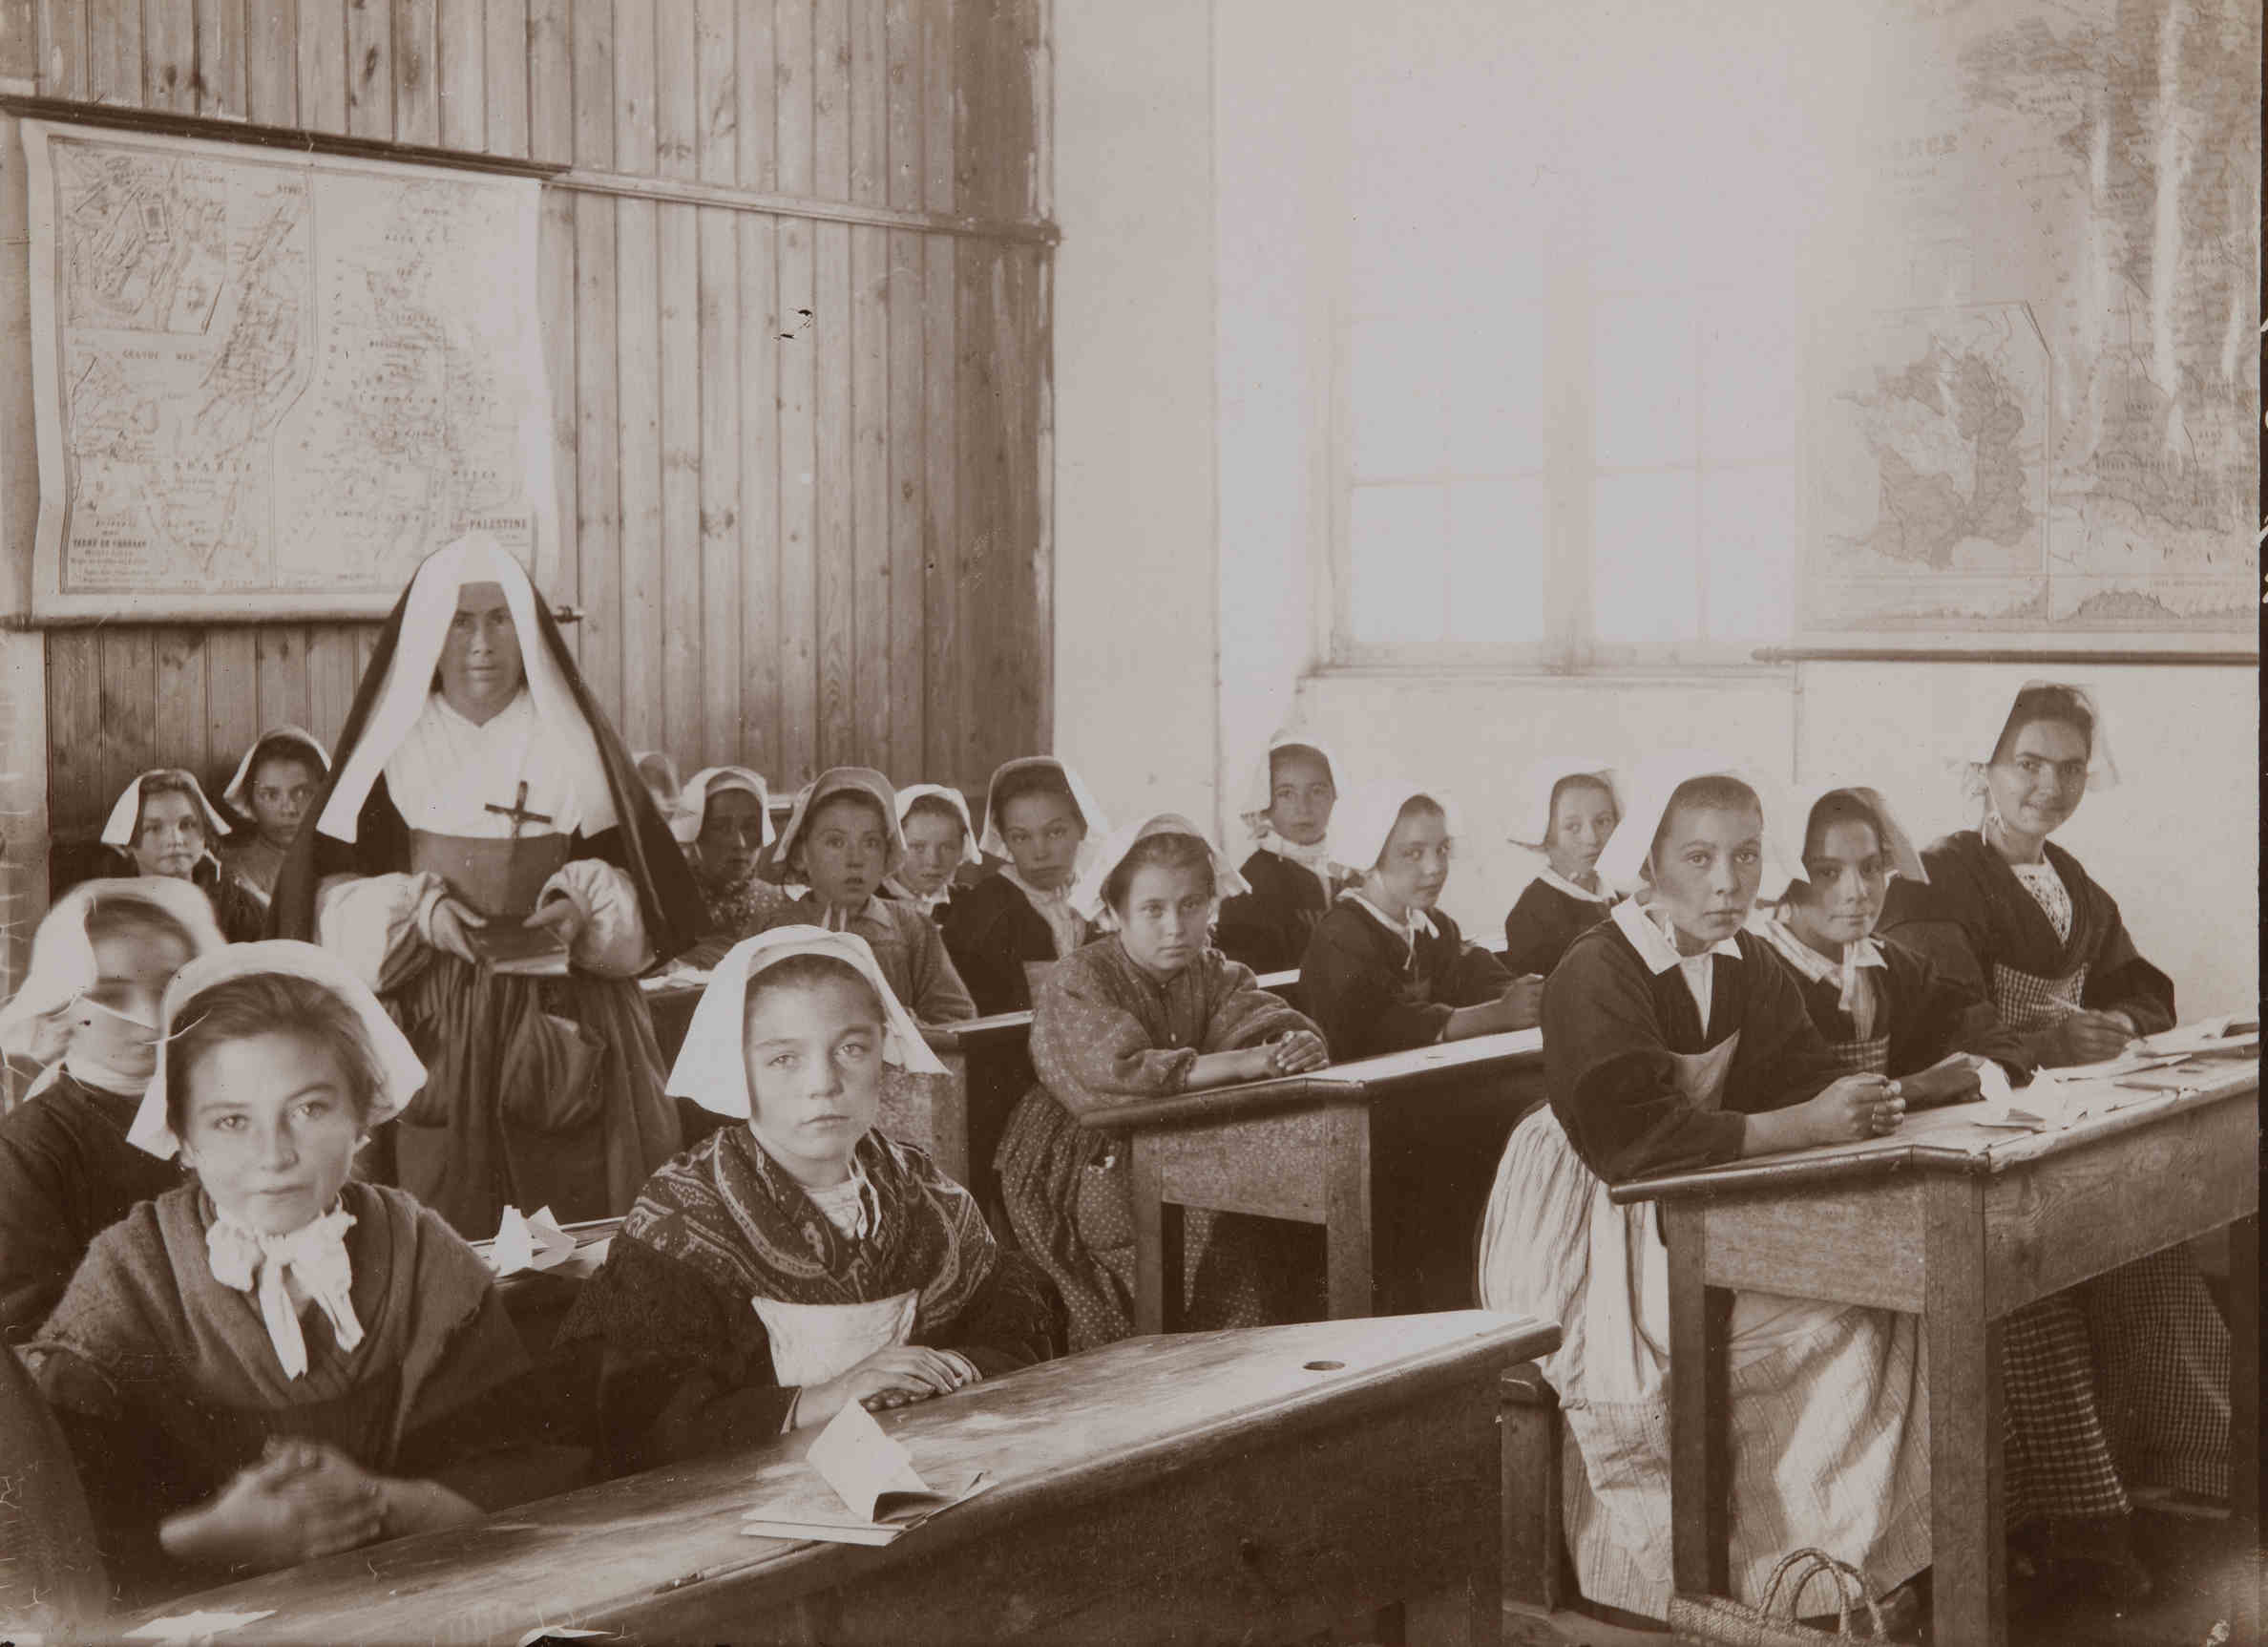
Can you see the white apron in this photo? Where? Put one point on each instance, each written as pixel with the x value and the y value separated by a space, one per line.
pixel 1828 1404
pixel 812 1343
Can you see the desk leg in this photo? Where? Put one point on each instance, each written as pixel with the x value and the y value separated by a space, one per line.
pixel 2244 1417
pixel 1157 1248
pixel 1968 1535
pixel 1347 1212
pixel 1700 1426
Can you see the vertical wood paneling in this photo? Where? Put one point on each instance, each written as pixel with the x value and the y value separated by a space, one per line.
pixel 115 51
pixel 271 61
pixel 509 53
pixel 224 39
pixel 798 388
pixel 169 55
pixel 63 48
pixel 802 468
pixel 322 65
pixel 461 73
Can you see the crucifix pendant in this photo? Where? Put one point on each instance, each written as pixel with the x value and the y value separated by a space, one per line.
pixel 517 812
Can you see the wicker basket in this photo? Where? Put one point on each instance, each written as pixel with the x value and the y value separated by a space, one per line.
pixel 1720 1621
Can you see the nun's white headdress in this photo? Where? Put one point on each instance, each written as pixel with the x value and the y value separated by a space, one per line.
pixel 476 558
pixel 1541 781
pixel 712 1066
pixel 1087 893
pixel 63 966
pixel 779 865
pixel 1658 779
pixel 400 1074
pixel 1364 821
pixel 1987 724
pixel 117 830
pixel 1258 794
pixel 694 798
pixel 1794 831
pixel 951 798
pixel 1097 826
pixel 275 742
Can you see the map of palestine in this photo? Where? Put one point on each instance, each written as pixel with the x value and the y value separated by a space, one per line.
pixel 270 381
pixel 2057 428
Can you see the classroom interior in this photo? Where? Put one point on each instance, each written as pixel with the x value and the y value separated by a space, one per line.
pixel 937 381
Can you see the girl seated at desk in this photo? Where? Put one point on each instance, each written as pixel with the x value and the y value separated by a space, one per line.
pixel 724 821
pixel 163 826
pixel 786 1266
pixel 2133 1365
pixel 1291 872
pixel 940 843
pixel 1574 816
pixel 88 1011
pixel 1018 921
pixel 277 1361
pixel 1672 1039
pixel 270 790
pixel 1151 1008
pixel 842 841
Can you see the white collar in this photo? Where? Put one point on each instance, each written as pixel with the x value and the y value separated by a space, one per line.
pixel 1405 930
pixel 925 901
pixel 1552 878
pixel 1817 967
pixel 314 1255
pixel 832 919
pixel 1655 946
pixel 1316 857
pixel 1060 898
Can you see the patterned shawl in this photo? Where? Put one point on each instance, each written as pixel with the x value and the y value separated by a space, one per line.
pixel 728 1210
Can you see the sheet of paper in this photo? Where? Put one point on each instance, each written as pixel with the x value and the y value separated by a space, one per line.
pixel 2126 1063
pixel 843 1526
pixel 558 1632
pixel 195 1626
pixel 528 1242
pixel 2208 1035
pixel 854 1457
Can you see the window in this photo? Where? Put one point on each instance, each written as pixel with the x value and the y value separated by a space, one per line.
pixel 1568 370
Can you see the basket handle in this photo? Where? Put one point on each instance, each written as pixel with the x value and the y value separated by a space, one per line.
pixel 1848 1579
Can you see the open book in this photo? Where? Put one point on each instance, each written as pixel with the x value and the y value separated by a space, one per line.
pixel 506 946
pixel 872 1492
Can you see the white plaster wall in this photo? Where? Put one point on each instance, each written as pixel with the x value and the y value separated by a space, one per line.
pixel 1135 635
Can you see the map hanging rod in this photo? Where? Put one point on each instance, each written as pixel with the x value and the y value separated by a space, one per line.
pixel 165 122
pixel 27 621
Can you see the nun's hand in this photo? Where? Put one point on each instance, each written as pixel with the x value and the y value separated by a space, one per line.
pixel 448 925
pixel 565 921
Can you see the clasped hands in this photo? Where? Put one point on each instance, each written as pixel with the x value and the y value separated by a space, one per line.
pixel 452 916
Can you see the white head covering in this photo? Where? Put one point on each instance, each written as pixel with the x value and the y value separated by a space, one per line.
pixel 1793 830
pixel 694 798
pixel 63 966
pixel 400 1074
pixel 712 1066
pixel 1087 893
pixel 1657 779
pixel 476 558
pixel 1987 722
pixel 1258 794
pixel 117 830
pixel 239 792
pixel 1538 783
pixel 778 867
pixel 1097 826
pixel 1364 821
pixel 951 798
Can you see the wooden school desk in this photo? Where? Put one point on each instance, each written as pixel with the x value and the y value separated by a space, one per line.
pixel 1255 1486
pixel 1298 1148
pixel 1959 1224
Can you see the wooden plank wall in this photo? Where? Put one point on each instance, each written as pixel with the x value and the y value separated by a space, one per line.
pixel 802 462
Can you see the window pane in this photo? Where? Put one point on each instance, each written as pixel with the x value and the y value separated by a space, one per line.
pixel 1495 561
pixel 1396 544
pixel 1492 390
pixel 1644 581
pixel 1748 382
pixel 1643 369
pixel 1398 399
pixel 1748 537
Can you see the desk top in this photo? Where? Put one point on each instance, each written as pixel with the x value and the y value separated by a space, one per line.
pixel 1947 1141
pixel 1052 1436
pixel 1363 1080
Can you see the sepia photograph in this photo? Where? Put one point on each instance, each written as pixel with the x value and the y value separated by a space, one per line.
pixel 1340 823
